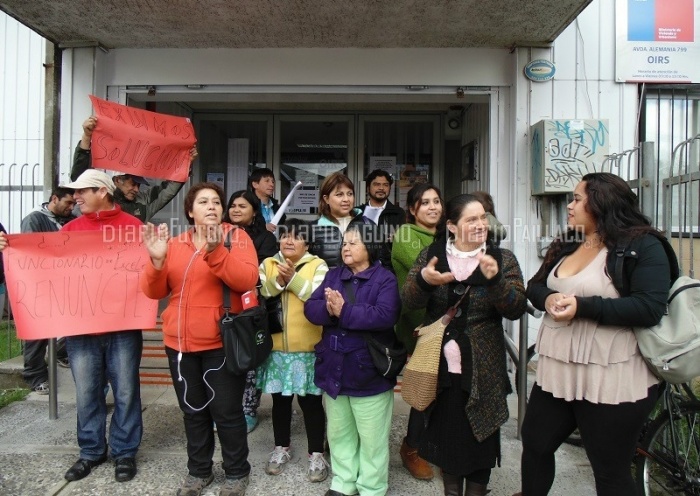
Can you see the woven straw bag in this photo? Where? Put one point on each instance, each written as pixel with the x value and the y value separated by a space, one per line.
pixel 419 385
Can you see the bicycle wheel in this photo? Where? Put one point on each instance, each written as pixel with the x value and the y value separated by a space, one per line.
pixel 659 469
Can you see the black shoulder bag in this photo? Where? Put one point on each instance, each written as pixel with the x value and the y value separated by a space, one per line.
pixel 245 336
pixel 389 360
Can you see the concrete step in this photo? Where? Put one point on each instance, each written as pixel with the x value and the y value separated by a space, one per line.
pixel 154 370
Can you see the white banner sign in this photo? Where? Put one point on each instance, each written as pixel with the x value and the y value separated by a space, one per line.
pixel 657 41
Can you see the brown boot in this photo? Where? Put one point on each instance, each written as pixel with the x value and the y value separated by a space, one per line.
pixel 453 484
pixel 474 489
pixel 419 468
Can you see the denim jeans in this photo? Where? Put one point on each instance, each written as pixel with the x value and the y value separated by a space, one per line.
pixel 96 359
pixel 222 393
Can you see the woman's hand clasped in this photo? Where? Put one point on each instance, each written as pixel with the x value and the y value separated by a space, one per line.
pixel 286 272
pixel 561 307
pixel 334 302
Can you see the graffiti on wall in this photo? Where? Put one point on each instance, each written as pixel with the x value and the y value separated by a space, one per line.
pixel 563 151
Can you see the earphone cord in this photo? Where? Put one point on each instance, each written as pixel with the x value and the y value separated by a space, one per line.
pixel 179 346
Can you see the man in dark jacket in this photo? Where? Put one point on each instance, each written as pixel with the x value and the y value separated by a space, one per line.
pixel 378 207
pixel 141 204
pixel 381 211
pixel 48 217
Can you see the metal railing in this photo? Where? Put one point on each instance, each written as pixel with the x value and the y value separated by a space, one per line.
pixel 681 217
pixel 21 190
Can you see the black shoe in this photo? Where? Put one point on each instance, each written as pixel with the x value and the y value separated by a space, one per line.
pixel 82 468
pixel 125 469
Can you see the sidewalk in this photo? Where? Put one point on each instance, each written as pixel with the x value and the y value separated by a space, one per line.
pixel 35 452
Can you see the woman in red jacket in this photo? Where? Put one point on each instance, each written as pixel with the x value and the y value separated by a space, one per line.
pixel 192 269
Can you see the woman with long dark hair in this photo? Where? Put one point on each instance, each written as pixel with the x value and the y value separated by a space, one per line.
pixel 590 373
pixel 424 209
pixel 462 434
pixel 243 210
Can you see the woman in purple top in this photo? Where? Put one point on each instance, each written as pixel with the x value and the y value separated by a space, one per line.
pixel 358 297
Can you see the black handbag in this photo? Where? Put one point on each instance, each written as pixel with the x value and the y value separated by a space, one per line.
pixel 274 309
pixel 389 360
pixel 245 336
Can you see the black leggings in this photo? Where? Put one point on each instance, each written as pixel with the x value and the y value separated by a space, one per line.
pixel 314 420
pixel 609 434
pixel 416 428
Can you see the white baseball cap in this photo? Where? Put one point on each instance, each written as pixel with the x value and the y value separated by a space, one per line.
pixel 92 178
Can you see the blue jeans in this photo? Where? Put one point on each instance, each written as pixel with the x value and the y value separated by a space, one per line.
pixel 96 359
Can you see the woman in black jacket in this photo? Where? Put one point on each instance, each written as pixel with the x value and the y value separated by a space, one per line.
pixel 336 208
pixel 243 210
pixel 590 374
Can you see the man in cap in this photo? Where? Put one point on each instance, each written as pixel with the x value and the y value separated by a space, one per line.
pixel 143 204
pixel 47 217
pixel 112 356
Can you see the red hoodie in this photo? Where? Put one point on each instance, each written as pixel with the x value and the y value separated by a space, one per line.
pixel 96 221
pixel 194 280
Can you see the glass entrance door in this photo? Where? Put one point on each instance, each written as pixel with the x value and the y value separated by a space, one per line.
pixel 405 146
pixel 309 148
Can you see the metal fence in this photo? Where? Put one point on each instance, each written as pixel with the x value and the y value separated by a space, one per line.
pixel 681 204
pixel 21 190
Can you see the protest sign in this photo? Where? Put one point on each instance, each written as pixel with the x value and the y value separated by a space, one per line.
pixel 70 283
pixel 140 142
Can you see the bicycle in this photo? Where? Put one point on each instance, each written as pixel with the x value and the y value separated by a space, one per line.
pixel 667 458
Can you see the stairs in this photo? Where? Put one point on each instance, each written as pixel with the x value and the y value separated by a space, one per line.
pixel 154 369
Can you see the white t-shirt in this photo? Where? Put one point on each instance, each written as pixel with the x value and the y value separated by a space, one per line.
pixel 373 213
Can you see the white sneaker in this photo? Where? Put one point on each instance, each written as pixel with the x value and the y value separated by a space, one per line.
pixel 42 388
pixel 278 459
pixel 318 467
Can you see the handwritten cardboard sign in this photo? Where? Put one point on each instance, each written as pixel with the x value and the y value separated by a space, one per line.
pixel 140 142
pixel 70 283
